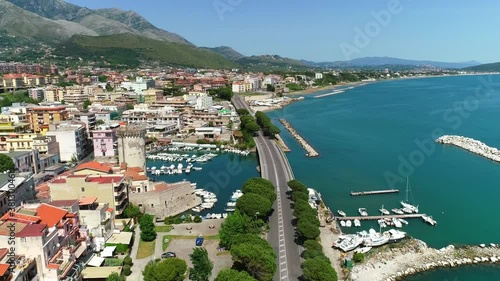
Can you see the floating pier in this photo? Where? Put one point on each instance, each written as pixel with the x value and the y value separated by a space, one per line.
pixel 309 149
pixel 405 216
pixel 373 192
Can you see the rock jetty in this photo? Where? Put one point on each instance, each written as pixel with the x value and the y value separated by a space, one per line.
pixel 471 145
pixel 309 149
pixel 415 256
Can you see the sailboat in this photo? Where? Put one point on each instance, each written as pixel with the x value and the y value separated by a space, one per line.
pixel 405 204
pixel 384 211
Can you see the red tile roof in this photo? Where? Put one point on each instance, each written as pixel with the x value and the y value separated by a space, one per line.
pixel 105 180
pixel 63 203
pixel 18 217
pixel 4 268
pixel 96 166
pixel 87 200
pixel 32 230
pixel 50 215
pixel 3 253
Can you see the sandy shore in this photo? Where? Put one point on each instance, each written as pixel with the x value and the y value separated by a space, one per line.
pixel 415 256
pixel 331 87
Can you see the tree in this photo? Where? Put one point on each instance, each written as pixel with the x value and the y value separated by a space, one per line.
pixel 262 191
pixel 318 269
pixel 252 205
pixel 132 211
pixel 109 88
pixel 358 257
pixel 172 269
pixel 6 163
pixel 126 270
pixel 148 232
pixel 270 88
pixel 63 102
pixel 252 127
pixel 210 123
pixel 103 78
pixel 258 260
pixel 296 185
pixel 233 275
pixel 242 111
pixel 202 266
pixel 258 181
pixel 197 219
pixel 128 261
pixel 307 229
pixel 100 122
pixel 232 226
pixel 313 245
pixel 130 106
pixel 86 104
pixel 115 277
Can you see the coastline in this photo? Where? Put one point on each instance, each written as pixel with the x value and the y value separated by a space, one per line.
pixel 415 256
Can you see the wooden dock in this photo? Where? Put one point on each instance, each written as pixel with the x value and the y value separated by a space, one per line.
pixel 405 216
pixel 373 192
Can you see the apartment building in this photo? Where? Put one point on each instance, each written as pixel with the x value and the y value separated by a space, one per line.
pixel 72 140
pixel 42 116
pixel 88 118
pixel 20 188
pixel 104 139
pixel 110 189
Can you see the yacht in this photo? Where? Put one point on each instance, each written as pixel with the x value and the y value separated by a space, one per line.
pixel 341 213
pixel 429 220
pixel 405 204
pixel 394 235
pixel 407 210
pixel 347 243
pixel 375 239
pixel 348 223
pixel 357 223
pixel 397 223
pixel 362 212
pixel 384 211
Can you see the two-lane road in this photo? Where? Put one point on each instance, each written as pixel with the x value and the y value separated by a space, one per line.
pixel 274 167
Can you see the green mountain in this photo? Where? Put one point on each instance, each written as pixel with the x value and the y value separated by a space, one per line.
pixel 227 52
pixel 488 67
pixel 61 20
pixel 271 62
pixel 130 50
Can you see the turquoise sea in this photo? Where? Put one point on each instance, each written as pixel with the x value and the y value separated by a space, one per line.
pixel 376 135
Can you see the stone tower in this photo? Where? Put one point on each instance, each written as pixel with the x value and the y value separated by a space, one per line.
pixel 131 146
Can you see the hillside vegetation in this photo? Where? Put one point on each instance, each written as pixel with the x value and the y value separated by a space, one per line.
pixel 129 50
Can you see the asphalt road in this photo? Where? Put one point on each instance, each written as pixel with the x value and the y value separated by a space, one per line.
pixel 274 167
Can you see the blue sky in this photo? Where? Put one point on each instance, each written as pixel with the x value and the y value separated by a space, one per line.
pixel 326 30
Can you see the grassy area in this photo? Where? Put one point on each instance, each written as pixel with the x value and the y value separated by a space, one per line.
pixel 167 238
pixel 163 228
pixel 146 249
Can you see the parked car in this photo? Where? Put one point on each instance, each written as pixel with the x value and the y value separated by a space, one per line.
pixel 168 255
pixel 199 241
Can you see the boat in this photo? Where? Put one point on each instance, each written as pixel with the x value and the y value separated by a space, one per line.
pixel 394 235
pixel 397 223
pixel 362 212
pixel 384 211
pixel 375 239
pixel 197 168
pixel 381 223
pixel 429 220
pixel 403 221
pixel 236 195
pixel 224 215
pixel 342 223
pixel 341 213
pixel 348 223
pixel 407 210
pixel 207 205
pixel 363 250
pixel 210 200
pixel 397 211
pixel 357 223
pixel 347 243
pixel 405 204
pixel 229 209
pixel 208 216
pixel 196 209
pixel 231 204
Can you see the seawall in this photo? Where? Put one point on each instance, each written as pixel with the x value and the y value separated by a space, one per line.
pixel 471 145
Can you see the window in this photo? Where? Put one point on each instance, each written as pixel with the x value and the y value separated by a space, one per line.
pixel 83 189
pixel 152 205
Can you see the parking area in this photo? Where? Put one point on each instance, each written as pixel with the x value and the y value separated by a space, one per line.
pixel 184 247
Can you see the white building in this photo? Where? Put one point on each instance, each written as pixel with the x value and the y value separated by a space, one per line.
pixel 139 85
pixel 71 139
pixel 318 75
pixel 200 100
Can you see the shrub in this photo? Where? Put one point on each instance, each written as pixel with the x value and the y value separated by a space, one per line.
pixel 128 261
pixel 197 219
pixel 126 270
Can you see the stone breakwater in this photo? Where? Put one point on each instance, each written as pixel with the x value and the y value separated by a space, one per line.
pixel 415 256
pixel 309 149
pixel 471 145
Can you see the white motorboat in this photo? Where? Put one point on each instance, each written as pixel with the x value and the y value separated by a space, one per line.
pixel 342 223
pixel 209 200
pixel 429 220
pixel 403 221
pixel 224 215
pixel 381 223
pixel 209 195
pixel 231 204
pixel 197 168
pixel 375 239
pixel 347 243
pixel 341 213
pixel 363 212
pixel 236 195
pixel 384 211
pixel 397 211
pixel 357 223
pixel 397 223
pixel 348 223
pixel 363 250
pixel 208 216
pixel 394 235
pixel 207 205
pixel 407 210
pixel 197 209
pixel 229 209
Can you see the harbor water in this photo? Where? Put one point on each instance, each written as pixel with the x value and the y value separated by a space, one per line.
pixel 376 135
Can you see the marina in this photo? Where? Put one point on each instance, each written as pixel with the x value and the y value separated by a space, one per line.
pixel 373 192
pixel 311 152
pixel 404 216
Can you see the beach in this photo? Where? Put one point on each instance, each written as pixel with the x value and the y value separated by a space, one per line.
pixel 331 87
